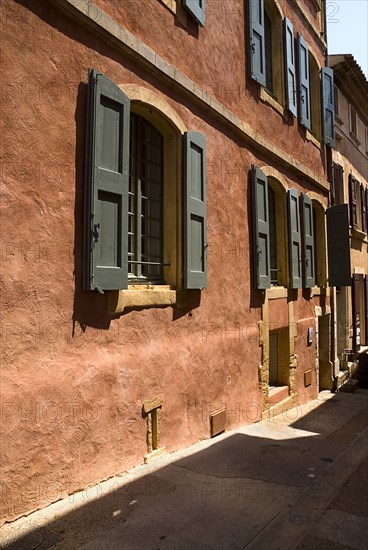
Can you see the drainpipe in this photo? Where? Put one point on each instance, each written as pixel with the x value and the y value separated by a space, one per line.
pixel 331 201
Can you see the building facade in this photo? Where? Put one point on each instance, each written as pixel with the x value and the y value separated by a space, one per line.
pixel 164 189
pixel 350 192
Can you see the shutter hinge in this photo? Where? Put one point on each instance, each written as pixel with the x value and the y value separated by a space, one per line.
pixel 99 289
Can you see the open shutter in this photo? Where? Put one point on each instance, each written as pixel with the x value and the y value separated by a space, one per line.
pixel 356 312
pixel 328 109
pixel 106 186
pixel 261 229
pixel 196 9
pixel 339 271
pixel 364 208
pixel 290 66
pixel 308 252
pixel 195 232
pixel 353 202
pixel 294 239
pixel 256 34
pixel 304 87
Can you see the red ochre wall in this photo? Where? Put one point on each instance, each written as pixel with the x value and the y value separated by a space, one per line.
pixel 73 377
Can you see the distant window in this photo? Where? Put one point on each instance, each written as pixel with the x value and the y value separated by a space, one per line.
pixel 353 121
pixel 338 175
pixel 336 100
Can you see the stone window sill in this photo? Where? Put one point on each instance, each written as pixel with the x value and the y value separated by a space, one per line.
pixel 319 291
pixel 267 98
pixel 354 139
pixel 142 296
pixel 358 234
pixel 277 292
pixel 310 137
pixel 171 4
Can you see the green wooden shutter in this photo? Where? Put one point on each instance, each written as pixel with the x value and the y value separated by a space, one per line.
pixel 196 9
pixel 294 239
pixel 106 186
pixel 364 208
pixel 308 246
pixel 328 109
pixel 256 35
pixel 304 87
pixel 195 218
pixel 353 202
pixel 339 271
pixel 290 77
pixel 261 229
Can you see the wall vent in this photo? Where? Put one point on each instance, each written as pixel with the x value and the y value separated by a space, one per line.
pixel 217 421
pixel 307 378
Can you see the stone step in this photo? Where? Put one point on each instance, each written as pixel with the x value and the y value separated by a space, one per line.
pixel 277 394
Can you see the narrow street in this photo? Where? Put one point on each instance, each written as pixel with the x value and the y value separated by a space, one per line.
pixel 297 480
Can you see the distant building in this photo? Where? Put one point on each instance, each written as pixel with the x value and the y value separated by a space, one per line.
pixel 350 191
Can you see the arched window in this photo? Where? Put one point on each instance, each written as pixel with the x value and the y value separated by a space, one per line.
pixel 145 217
pixel 274 46
pixel 278 232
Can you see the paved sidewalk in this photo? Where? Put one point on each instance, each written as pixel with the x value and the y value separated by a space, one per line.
pixel 295 481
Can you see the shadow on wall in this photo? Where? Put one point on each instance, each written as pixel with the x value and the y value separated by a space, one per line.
pixel 228 486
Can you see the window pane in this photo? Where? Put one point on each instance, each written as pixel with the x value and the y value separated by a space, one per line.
pixel 272 225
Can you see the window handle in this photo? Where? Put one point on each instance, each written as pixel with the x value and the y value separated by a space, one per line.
pixel 95 232
pixel 253 46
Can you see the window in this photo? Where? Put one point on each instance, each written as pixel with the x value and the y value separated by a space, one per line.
pixel 132 206
pixel 315 97
pixel 273 237
pixel 336 101
pixel 288 235
pixel 338 184
pixel 320 254
pixel 357 205
pixel 352 121
pixel 268 52
pixel 196 8
pixel 269 230
pixel 145 218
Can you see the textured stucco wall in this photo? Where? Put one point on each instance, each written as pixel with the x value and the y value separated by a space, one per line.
pixel 73 378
